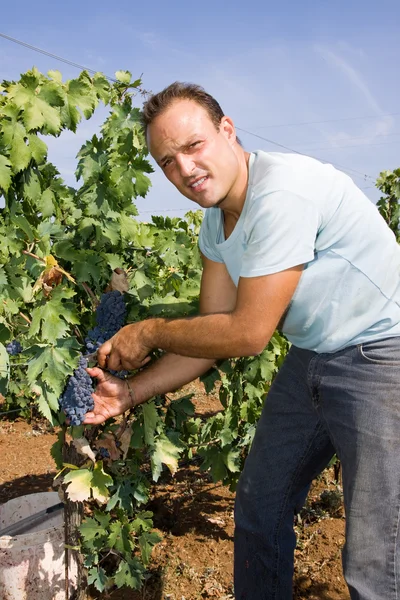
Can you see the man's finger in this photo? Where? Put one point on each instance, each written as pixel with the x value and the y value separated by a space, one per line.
pixel 93 419
pixel 97 373
pixel 114 362
pixel 102 353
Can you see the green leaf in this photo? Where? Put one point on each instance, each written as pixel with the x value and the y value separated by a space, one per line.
pixel 22 222
pixel 56 450
pixel 142 184
pixel 146 542
pixel 52 318
pixel 20 153
pixel 4 370
pixel 32 189
pixel 97 577
pixel 123 76
pixel 56 75
pixel 130 574
pixel 151 418
pixel 47 203
pixel 123 496
pixel 143 521
pixel 120 538
pixel 165 452
pixel 39 115
pixel 87 266
pixel 100 482
pixel 231 459
pixel 53 363
pixel 81 94
pixel 128 228
pixel 92 529
pixel 5 173
pixel 3 277
pixel 38 148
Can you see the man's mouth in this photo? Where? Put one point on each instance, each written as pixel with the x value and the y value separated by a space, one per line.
pixel 198 183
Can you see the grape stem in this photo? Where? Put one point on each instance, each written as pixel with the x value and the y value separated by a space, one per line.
pixel 90 293
pixel 34 256
pixel 21 314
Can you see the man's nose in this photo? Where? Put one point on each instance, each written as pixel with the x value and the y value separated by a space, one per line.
pixel 186 164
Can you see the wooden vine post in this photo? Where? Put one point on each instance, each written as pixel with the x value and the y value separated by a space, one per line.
pixel 73 515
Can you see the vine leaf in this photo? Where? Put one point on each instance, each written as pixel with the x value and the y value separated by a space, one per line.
pixel 150 417
pixel 79 484
pixel 100 482
pixel 53 318
pixel 4 370
pixel 97 577
pixel 5 173
pixel 146 542
pixel 165 452
pixel 53 363
pixel 120 537
pixel 130 574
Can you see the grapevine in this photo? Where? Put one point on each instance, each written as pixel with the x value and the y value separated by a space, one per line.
pixel 59 248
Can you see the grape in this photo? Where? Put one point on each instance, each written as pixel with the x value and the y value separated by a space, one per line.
pixel 104 453
pixel 77 399
pixel 110 317
pixel 13 348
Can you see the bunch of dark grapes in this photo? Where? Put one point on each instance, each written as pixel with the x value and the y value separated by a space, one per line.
pixel 13 348
pixel 77 399
pixel 110 317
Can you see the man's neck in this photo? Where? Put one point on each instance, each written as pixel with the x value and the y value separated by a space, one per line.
pixel 232 205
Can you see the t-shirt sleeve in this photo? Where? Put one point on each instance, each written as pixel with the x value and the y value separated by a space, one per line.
pixel 208 237
pixel 281 229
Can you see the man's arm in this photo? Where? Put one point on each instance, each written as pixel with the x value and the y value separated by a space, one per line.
pixel 170 372
pixel 240 329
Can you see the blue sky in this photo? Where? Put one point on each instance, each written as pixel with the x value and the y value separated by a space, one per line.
pixel 316 76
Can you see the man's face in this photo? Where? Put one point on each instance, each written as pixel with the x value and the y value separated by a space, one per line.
pixel 199 160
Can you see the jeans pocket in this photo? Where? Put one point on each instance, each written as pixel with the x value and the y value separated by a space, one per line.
pixel 383 352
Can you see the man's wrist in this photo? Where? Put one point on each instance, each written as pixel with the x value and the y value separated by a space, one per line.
pixel 132 395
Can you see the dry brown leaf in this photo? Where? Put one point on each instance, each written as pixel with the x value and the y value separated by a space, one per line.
pixel 108 442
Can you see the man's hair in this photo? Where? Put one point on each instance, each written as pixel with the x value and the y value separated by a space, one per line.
pixel 178 90
pixel 158 103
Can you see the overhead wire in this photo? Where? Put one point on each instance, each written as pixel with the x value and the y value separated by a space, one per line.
pixel 51 55
pixel 363 175
pixel 77 65
pixel 273 125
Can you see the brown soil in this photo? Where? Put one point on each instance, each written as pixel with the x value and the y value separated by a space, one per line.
pixel 195 519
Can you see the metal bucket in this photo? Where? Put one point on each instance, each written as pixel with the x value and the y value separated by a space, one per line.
pixel 32 564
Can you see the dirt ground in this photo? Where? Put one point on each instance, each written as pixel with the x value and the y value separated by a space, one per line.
pixel 194 516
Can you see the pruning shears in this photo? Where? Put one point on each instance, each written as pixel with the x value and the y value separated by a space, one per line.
pixel 91 358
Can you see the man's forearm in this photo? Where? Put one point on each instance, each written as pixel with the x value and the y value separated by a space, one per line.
pixel 167 375
pixel 206 336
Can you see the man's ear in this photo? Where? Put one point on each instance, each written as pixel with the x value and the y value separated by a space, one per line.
pixel 228 129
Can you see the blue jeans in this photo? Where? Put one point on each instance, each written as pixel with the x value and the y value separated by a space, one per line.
pixel 346 402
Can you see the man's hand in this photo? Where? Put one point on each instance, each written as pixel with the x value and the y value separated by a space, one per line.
pixel 111 397
pixel 125 350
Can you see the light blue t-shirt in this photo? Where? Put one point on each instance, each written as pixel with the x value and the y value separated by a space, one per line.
pixel 300 211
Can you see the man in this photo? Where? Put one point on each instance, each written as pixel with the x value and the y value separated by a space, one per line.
pixel 285 241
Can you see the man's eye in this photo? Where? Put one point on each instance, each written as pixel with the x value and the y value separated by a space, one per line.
pixel 166 163
pixel 194 144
